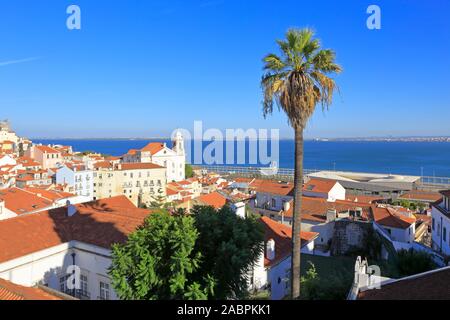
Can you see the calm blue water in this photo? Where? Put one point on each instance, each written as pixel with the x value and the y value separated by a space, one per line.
pixel 377 157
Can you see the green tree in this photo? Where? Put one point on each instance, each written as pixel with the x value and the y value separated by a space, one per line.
pixel 159 260
pixel 207 255
pixel 230 246
pixel 297 81
pixel 310 283
pixel 189 171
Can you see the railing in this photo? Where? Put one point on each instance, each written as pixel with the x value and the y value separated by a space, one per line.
pixel 288 174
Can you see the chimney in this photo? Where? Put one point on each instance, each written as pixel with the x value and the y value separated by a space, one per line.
pixel 331 215
pixel 70 209
pixel 119 166
pixel 286 206
pixel 270 249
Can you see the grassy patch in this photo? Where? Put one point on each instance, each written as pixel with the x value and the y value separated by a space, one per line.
pixel 335 276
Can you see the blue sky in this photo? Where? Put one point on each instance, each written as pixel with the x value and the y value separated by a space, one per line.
pixel 141 68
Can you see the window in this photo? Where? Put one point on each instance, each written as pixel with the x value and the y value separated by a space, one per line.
pixel 63 283
pixel 84 285
pixel 104 291
pixel 444 234
pixel 274 203
pixel 433 224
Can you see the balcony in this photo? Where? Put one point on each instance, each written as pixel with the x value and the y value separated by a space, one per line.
pixel 79 294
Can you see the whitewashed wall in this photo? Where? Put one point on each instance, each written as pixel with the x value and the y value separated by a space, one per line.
pixel 47 266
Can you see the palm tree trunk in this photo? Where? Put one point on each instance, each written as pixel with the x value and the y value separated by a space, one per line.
pixel 297 219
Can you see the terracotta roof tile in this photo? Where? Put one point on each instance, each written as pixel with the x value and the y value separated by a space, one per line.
pixel 432 285
pixel 282 235
pixel 101 223
pixel 319 185
pixel 153 147
pixel 11 291
pixel 214 199
pixel 389 217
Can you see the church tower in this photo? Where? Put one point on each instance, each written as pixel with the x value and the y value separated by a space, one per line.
pixel 178 143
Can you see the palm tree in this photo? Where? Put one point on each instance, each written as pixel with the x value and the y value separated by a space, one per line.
pixel 297 81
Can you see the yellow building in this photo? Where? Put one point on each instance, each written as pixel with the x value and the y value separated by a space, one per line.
pixel 142 183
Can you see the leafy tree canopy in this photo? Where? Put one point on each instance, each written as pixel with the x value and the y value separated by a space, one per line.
pixel 206 255
pixel 230 246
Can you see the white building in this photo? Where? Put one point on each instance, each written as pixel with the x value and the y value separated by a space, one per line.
pixel 16 202
pixel 79 178
pixel 398 226
pixel 272 271
pixel 6 133
pixel 52 242
pixel 440 224
pixel 174 160
pixel 326 189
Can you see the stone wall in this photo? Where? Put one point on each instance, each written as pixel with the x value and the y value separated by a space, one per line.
pixel 348 235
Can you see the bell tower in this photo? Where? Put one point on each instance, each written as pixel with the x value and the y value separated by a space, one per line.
pixel 178 143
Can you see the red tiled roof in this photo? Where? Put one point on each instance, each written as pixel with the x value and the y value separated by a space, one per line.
pixel 362 198
pixel 153 147
pixel 418 195
pixel 20 201
pixel 273 187
pixel 389 217
pixel 319 185
pixel 315 209
pixel 47 149
pixel 49 194
pixel 101 223
pixel 11 291
pixel 138 166
pixel 433 285
pixel 171 192
pixel 103 165
pixel 213 199
pixel 282 235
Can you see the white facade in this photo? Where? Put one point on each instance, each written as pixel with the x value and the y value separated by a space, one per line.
pixel 406 235
pixel 324 229
pixel 81 182
pixel 277 276
pixel 270 201
pixel 50 267
pixel 5 213
pixel 337 192
pixel 174 160
pixel 440 227
pixel 7 161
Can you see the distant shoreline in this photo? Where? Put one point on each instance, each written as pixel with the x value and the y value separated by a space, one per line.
pixel 399 139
